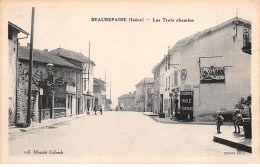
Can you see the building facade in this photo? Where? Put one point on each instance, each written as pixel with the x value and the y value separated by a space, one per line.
pixel 126 102
pixel 100 93
pixel 208 71
pixel 53 91
pixel 84 91
pixel 143 96
pixel 13 41
pixel 156 89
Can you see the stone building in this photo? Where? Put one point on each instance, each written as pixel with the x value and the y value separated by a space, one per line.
pixel 84 93
pixel 126 102
pixel 58 99
pixel 208 70
pixel 143 96
pixel 13 41
pixel 100 93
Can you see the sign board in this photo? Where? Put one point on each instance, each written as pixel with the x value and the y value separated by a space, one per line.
pixel 186 101
pixel 212 74
pixel 41 91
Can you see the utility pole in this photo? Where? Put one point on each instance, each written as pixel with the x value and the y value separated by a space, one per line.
pixel 88 64
pixel 28 120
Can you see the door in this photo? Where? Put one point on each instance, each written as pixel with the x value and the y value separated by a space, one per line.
pixel 161 103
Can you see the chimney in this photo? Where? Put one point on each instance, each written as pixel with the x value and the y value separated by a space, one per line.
pixel 28 45
pixel 45 50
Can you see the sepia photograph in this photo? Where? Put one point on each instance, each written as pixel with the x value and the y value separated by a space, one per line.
pixel 148 82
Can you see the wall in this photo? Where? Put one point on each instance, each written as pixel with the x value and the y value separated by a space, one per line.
pixel 12 53
pixel 210 97
pixel 64 74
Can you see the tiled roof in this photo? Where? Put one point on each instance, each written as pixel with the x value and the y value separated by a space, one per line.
pixel 129 95
pixel 71 55
pixel 204 33
pixel 40 56
pixel 17 28
pixel 145 80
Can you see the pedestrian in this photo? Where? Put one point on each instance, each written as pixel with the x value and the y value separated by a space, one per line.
pixel 219 120
pixel 101 110
pixel 95 110
pixel 238 120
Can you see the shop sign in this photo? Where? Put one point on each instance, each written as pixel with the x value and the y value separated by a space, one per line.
pixel 212 74
pixel 186 100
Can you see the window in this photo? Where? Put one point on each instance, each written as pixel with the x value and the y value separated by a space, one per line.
pixel 166 83
pixel 169 83
pixel 85 84
pixel 166 62
pixel 162 79
pixel 176 78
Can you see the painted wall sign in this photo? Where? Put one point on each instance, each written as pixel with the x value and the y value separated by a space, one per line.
pixel 186 100
pixel 183 74
pixel 212 74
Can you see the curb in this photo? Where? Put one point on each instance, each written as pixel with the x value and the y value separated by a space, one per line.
pixel 232 144
pixel 177 122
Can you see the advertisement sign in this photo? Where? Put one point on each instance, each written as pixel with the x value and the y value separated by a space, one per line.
pixel 186 101
pixel 212 74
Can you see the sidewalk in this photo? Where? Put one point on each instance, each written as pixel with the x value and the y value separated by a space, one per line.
pixel 227 137
pixel 44 124
pixel 236 140
pixel 167 120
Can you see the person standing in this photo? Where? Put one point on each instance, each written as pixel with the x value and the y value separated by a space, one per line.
pixel 95 110
pixel 101 110
pixel 219 120
pixel 238 121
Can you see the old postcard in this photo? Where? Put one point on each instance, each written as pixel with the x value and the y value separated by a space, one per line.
pixel 129 82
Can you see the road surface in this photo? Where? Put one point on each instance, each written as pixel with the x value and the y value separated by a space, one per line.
pixel 119 134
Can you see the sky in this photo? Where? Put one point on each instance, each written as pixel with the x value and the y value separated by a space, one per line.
pixel 127 50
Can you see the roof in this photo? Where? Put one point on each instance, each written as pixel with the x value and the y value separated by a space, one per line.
pixel 206 32
pixel 145 80
pixel 129 95
pixel 17 28
pixel 98 81
pixel 71 55
pixel 40 56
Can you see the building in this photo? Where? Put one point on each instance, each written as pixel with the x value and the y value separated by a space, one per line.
pixel 143 96
pixel 84 93
pixel 207 71
pixel 108 105
pixel 100 93
pixel 126 102
pixel 156 89
pixel 13 41
pixel 53 90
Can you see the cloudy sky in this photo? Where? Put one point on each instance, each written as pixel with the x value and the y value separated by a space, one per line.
pixel 127 50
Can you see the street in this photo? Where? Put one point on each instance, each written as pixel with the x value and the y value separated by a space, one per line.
pixel 117 134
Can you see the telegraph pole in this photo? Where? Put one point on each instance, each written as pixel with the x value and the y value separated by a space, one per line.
pixel 28 120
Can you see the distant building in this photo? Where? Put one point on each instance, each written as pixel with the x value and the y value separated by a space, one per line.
pixel 100 93
pixel 84 93
pixel 108 105
pixel 13 43
pixel 207 71
pixel 143 97
pixel 126 102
